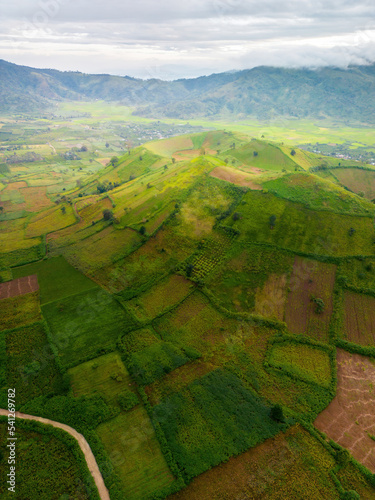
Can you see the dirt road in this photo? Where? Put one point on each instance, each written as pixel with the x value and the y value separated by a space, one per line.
pixel 83 444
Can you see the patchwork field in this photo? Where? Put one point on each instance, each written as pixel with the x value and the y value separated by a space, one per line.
pixel 235 177
pixel 57 278
pixel 359 181
pixel 300 229
pixel 105 375
pixel 160 297
pixel 19 286
pixel 302 361
pixel 134 451
pixel 19 310
pixel 359 318
pixel 31 367
pixel 349 419
pixel 50 220
pixel 309 302
pixel 291 465
pixel 85 325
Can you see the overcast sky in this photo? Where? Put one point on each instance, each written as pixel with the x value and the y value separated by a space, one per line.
pixel 162 39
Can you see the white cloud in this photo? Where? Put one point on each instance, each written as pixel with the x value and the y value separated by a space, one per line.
pixel 171 40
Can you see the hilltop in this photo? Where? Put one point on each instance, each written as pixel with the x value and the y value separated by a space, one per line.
pixel 263 92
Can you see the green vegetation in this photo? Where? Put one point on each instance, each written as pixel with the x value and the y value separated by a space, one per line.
pixel 192 295
pixel 86 325
pixel 57 279
pixel 39 446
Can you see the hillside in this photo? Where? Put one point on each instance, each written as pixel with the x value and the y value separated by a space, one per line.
pixel 262 92
pixel 189 308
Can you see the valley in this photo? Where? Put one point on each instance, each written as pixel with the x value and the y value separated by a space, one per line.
pixel 195 297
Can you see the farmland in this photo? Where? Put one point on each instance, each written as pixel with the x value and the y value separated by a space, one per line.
pixel 181 303
pixel 359 317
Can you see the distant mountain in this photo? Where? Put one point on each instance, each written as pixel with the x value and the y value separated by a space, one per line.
pixel 263 92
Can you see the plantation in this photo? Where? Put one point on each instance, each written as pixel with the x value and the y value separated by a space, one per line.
pixel 57 279
pixel 105 375
pixel 181 303
pixel 302 361
pixel 85 325
pixel 359 318
pixel 130 441
pixel 36 479
pixel 31 368
pixel 291 465
pixel 19 311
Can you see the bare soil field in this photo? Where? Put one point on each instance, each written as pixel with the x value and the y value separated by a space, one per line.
pixel 19 286
pixel 359 318
pixel 235 176
pixel 310 279
pixel 350 417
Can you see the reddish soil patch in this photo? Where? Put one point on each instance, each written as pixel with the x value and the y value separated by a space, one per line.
pixel 235 177
pixel 15 185
pixel 310 279
pixel 350 417
pixel 359 315
pixel 36 198
pixel 20 286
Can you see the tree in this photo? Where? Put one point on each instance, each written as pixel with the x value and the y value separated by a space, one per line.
pixel 173 159
pixel 255 153
pixel 235 216
pixel 107 144
pixel 320 306
pixel 351 231
pixel 293 152
pixel 277 413
pixel 351 495
pixel 272 220
pixel 1 210
pixel 114 161
pixel 142 230
pixel 63 210
pixel 189 270
pixel 107 214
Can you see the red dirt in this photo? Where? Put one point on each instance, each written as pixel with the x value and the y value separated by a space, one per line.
pixel 235 177
pixel 310 278
pixel 20 286
pixel 359 318
pixel 15 185
pixel 350 417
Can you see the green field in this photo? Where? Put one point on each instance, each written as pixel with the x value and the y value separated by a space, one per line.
pixel 57 279
pixel 105 375
pixel 19 311
pixel 131 443
pixel 38 447
pixel 85 325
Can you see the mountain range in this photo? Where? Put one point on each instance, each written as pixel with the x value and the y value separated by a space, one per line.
pixel 262 92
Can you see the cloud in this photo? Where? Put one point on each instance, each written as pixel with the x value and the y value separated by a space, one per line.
pixel 196 37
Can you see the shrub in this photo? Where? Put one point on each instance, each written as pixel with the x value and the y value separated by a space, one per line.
pixel 127 400
pixel 277 414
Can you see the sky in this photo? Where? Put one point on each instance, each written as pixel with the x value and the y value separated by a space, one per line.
pixel 169 40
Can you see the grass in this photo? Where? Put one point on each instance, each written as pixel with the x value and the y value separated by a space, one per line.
pixel 302 230
pixel 305 362
pixel 359 181
pixel 46 469
pixel 86 324
pixel 138 339
pixel 57 279
pixel 290 465
pixel 160 297
pixel 359 273
pixel 105 375
pixel 50 220
pixel 130 441
pixel 319 194
pixel 19 311
pixel 204 424
pixel 31 368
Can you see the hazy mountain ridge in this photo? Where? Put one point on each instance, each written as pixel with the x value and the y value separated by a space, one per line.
pixel 263 92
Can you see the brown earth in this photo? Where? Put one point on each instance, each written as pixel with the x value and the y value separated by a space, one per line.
pixel 350 417
pixel 310 279
pixel 19 286
pixel 359 318
pixel 235 177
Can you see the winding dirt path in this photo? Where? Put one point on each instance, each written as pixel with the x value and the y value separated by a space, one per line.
pixel 83 444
